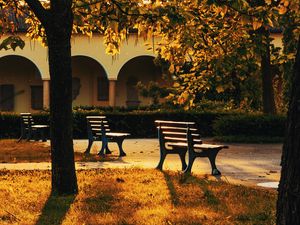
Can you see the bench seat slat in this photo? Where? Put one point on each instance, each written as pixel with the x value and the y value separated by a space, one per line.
pixel 176 139
pixel 39 126
pixel 98 125
pixel 96 117
pixel 208 146
pixel 98 121
pixel 179 133
pixel 117 134
pixel 99 130
pixel 173 122
pixel 176 128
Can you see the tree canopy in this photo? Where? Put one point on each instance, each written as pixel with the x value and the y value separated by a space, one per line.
pixel 200 40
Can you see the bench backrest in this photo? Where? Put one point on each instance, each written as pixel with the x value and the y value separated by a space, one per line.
pixel 97 125
pixel 26 120
pixel 177 132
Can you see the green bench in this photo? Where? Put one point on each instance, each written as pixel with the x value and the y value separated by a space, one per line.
pixel 98 130
pixel 30 130
pixel 178 137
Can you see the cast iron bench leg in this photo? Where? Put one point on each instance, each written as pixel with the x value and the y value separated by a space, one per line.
pixel 43 134
pixel 212 159
pixel 87 151
pixel 22 135
pixel 163 155
pixel 182 158
pixel 192 158
pixel 103 147
pixel 120 142
pixel 29 135
pixel 107 151
pixel 36 134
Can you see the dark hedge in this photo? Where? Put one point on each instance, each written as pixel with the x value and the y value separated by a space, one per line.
pixel 140 124
pixel 250 125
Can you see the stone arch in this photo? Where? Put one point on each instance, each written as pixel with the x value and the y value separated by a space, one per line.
pixel 138 69
pixel 21 83
pixel 90 82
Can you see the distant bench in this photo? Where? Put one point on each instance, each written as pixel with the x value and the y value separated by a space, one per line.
pixel 179 137
pixel 30 130
pixel 98 130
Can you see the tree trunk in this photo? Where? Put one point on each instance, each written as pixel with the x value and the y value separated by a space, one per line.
pixel 288 204
pixel 267 80
pixel 58 32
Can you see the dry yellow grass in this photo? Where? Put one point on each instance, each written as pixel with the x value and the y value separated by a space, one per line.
pixel 12 151
pixel 132 196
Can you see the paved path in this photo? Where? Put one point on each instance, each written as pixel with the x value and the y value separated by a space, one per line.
pixel 248 164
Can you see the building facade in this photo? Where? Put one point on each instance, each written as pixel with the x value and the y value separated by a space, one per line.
pixel 98 78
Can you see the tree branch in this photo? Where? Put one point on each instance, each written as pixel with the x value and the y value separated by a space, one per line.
pixel 38 9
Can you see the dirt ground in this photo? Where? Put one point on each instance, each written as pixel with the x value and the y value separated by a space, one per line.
pixel 247 164
pixel 240 163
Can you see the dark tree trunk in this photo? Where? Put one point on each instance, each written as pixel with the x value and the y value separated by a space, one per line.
pixel 288 204
pixel 58 30
pixel 236 93
pixel 267 79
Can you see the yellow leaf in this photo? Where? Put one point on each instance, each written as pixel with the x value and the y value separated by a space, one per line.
pixel 244 20
pixel 219 89
pixel 270 22
pixel 224 11
pixel 269 2
pixel 282 10
pixel 256 24
pixel 175 85
pixel 172 68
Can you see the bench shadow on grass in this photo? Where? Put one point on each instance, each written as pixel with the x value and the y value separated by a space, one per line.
pixel 211 199
pixel 55 209
pixel 172 189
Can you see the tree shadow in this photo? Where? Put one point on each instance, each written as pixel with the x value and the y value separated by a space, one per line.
pixel 55 209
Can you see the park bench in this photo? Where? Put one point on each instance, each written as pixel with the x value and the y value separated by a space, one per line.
pixel 30 130
pixel 181 137
pixel 98 130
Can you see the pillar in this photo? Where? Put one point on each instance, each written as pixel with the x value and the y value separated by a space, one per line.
pixel 112 93
pixel 46 93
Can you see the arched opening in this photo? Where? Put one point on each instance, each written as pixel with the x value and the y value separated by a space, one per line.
pixel 132 92
pixel 139 69
pixel 90 82
pixel 21 86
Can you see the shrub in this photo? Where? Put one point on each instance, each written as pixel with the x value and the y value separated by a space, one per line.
pixel 250 125
pixel 140 124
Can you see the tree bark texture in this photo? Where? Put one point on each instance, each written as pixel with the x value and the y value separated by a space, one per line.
pixel 58 31
pixel 267 81
pixel 288 203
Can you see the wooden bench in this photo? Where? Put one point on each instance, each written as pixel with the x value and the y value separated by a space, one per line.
pixel 30 130
pixel 181 137
pixel 98 130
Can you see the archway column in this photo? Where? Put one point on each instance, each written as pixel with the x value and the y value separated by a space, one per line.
pixel 46 93
pixel 112 93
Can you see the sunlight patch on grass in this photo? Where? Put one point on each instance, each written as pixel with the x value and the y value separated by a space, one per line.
pixel 132 196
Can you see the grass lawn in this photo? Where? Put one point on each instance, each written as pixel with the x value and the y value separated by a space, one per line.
pixel 132 196
pixel 13 152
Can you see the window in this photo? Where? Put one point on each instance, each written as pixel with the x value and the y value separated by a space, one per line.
pixel 7 97
pixel 103 88
pixel 37 97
